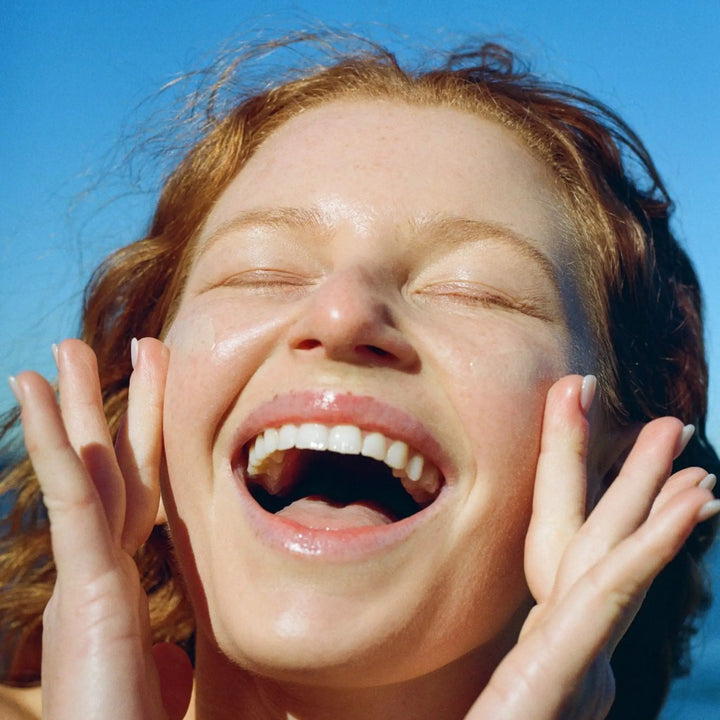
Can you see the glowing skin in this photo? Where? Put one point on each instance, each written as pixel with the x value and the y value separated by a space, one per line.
pixel 408 264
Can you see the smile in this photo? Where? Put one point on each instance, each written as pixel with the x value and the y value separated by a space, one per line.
pixel 338 474
pixel 337 478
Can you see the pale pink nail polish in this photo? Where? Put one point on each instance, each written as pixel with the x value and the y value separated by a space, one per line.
pixel 587 392
pixel 708 482
pixel 133 352
pixel 710 508
pixel 687 432
pixel 54 351
pixel 15 388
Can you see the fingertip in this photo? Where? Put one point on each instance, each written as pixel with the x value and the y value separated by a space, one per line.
pixel 148 349
pixel 708 482
pixel 564 404
pixel 708 510
pixel 15 389
pixel 29 385
pixel 565 390
pixel 133 352
pixel 685 436
pixel 666 429
pixel 72 350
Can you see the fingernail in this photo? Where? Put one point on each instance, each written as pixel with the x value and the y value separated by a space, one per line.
pixel 710 508
pixel 54 351
pixel 133 352
pixel 687 432
pixel 708 482
pixel 587 392
pixel 15 388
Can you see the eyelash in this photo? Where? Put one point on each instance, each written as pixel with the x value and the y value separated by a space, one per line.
pixel 473 295
pixel 261 280
pixel 279 282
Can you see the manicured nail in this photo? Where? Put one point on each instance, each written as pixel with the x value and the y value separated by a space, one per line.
pixel 708 482
pixel 15 388
pixel 54 351
pixel 687 432
pixel 133 352
pixel 710 508
pixel 587 392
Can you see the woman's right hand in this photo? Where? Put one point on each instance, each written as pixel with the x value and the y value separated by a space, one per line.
pixel 102 501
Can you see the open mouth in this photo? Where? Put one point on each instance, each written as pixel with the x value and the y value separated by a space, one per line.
pixel 338 477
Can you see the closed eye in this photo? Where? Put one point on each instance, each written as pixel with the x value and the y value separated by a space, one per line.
pixel 261 281
pixel 476 295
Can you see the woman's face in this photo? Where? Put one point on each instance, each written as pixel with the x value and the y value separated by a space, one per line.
pixel 392 282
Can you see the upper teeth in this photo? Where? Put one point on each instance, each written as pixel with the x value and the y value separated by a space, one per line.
pixel 419 477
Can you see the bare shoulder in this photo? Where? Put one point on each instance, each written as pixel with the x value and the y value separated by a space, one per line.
pixel 19 703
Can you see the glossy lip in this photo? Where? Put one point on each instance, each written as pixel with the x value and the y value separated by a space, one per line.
pixel 332 408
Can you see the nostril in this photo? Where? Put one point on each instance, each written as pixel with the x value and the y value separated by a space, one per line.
pixel 373 350
pixel 308 344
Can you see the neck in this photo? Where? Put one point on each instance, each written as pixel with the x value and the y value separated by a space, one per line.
pixel 226 692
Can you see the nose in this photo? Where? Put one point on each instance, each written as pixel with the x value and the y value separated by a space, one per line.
pixel 349 319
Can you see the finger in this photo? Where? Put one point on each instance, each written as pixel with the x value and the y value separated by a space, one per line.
pixel 139 444
pixel 627 502
pixel 81 540
pixel 560 483
pixel 621 579
pixel 84 418
pixel 682 480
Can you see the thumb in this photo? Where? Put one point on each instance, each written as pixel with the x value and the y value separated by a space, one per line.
pixel 176 678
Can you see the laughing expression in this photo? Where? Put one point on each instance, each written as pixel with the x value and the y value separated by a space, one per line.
pixel 376 308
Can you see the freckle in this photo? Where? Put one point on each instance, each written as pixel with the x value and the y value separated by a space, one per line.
pixel 193 335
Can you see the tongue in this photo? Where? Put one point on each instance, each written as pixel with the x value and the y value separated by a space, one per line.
pixel 321 514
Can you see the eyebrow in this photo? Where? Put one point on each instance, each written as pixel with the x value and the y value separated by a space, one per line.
pixel 451 229
pixel 277 218
pixel 462 230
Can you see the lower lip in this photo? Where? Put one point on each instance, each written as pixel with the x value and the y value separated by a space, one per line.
pixel 345 545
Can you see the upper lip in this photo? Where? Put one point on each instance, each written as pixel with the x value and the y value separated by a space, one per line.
pixel 332 407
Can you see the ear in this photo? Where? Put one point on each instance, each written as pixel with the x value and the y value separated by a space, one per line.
pixel 608 447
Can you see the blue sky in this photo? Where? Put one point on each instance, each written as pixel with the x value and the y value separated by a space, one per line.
pixel 76 72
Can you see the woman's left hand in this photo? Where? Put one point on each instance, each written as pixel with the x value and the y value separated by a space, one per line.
pixel 589 575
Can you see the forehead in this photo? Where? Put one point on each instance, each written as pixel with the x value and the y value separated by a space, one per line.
pixel 371 160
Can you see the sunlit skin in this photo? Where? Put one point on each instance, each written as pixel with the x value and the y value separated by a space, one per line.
pixel 410 255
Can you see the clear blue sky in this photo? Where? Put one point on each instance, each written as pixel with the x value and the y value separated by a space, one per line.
pixel 75 71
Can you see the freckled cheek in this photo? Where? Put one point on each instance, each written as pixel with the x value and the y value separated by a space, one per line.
pixel 499 391
pixel 212 357
pixel 499 383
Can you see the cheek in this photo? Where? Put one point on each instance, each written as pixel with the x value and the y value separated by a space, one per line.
pixel 499 383
pixel 499 379
pixel 212 357
pixel 213 354
pixel 192 335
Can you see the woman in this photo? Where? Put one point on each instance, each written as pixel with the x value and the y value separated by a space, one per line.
pixel 375 308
